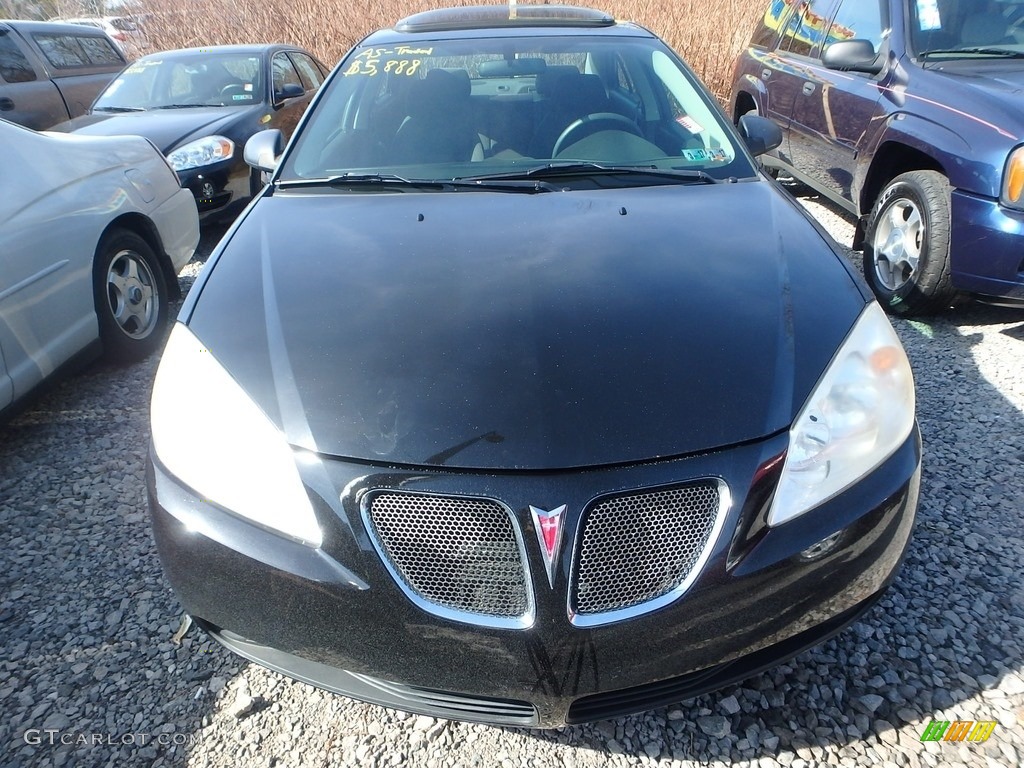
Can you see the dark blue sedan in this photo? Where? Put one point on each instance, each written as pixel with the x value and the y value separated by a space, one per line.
pixel 907 114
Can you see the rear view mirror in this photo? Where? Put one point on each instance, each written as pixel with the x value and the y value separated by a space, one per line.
pixel 852 56
pixel 760 134
pixel 262 150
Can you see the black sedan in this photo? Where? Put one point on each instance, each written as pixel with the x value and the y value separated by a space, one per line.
pixel 527 398
pixel 200 105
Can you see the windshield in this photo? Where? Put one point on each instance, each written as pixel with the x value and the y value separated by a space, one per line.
pixel 457 109
pixel 942 29
pixel 191 80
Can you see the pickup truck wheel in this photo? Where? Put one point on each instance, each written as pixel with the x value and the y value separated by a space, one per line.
pixel 130 294
pixel 906 248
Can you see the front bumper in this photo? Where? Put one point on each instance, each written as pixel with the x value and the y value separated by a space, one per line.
pixel 987 247
pixel 218 189
pixel 334 617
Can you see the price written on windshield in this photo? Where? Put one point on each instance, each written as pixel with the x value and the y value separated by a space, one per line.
pixel 402 60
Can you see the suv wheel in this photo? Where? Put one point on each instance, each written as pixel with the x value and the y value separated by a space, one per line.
pixel 906 248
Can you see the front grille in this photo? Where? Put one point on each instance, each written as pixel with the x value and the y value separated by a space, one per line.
pixel 458 557
pixel 640 551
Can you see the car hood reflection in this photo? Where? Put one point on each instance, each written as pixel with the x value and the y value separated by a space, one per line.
pixel 496 331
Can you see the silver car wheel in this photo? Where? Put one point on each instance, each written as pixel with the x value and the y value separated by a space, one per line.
pixel 897 244
pixel 131 294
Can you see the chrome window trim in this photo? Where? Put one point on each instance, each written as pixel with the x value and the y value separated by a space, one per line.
pixel 523 621
pixel 633 611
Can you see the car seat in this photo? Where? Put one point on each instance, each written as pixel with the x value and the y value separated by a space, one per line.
pixel 565 97
pixel 438 126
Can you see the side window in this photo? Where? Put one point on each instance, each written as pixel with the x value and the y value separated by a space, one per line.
pixel 771 23
pixel 100 51
pixel 284 73
pixel 806 28
pixel 14 67
pixel 308 71
pixel 62 51
pixel 857 19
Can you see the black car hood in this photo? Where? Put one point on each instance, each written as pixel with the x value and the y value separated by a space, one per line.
pixel 168 129
pixel 516 331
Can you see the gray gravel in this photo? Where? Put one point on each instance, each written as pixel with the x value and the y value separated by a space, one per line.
pixel 90 675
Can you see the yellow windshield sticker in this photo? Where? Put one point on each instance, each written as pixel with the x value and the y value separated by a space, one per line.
pixel 401 60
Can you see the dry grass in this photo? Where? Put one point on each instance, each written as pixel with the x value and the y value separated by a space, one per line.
pixel 708 36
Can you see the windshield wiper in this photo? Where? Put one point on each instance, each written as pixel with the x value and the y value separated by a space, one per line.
pixel 185 106
pixel 556 170
pixel 360 179
pixel 1000 52
pixel 118 109
pixel 442 185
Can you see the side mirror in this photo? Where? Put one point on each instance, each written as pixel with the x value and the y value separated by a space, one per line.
pixel 288 91
pixel 761 134
pixel 852 56
pixel 263 150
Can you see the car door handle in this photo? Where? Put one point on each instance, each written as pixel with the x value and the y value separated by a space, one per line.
pixel 6 105
pixel 808 89
pixel 765 74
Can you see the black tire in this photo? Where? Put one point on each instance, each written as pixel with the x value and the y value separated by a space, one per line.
pixel 906 245
pixel 130 292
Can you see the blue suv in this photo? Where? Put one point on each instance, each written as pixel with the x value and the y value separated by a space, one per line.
pixel 909 114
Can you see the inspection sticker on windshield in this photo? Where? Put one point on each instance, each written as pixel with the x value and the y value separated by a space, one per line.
pixel 928 15
pixel 690 124
pixel 705 155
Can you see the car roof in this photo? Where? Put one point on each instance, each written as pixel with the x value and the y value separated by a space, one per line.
pixel 52 26
pixel 511 20
pixel 244 48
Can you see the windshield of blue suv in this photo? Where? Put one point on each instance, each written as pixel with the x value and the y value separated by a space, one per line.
pixel 463 109
pixel 941 29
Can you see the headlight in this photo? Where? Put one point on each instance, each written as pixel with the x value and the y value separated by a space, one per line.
pixel 201 152
pixel 210 435
pixel 1013 181
pixel 860 412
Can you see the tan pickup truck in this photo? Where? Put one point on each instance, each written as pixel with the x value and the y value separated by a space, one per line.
pixel 50 72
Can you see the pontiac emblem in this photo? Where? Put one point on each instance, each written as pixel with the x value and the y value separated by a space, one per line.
pixel 548 525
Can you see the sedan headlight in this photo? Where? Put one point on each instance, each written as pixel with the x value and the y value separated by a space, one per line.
pixel 209 434
pixel 201 152
pixel 860 412
pixel 1013 181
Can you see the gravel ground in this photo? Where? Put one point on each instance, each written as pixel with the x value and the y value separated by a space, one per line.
pixel 90 673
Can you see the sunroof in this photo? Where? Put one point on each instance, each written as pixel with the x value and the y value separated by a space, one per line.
pixel 511 15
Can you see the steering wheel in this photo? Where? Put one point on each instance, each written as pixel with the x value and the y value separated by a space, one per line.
pixel 591 124
pixel 232 89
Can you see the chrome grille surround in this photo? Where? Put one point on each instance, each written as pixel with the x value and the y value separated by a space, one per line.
pixel 457 557
pixel 638 551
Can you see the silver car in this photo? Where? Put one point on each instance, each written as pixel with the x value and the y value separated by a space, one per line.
pixel 93 231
